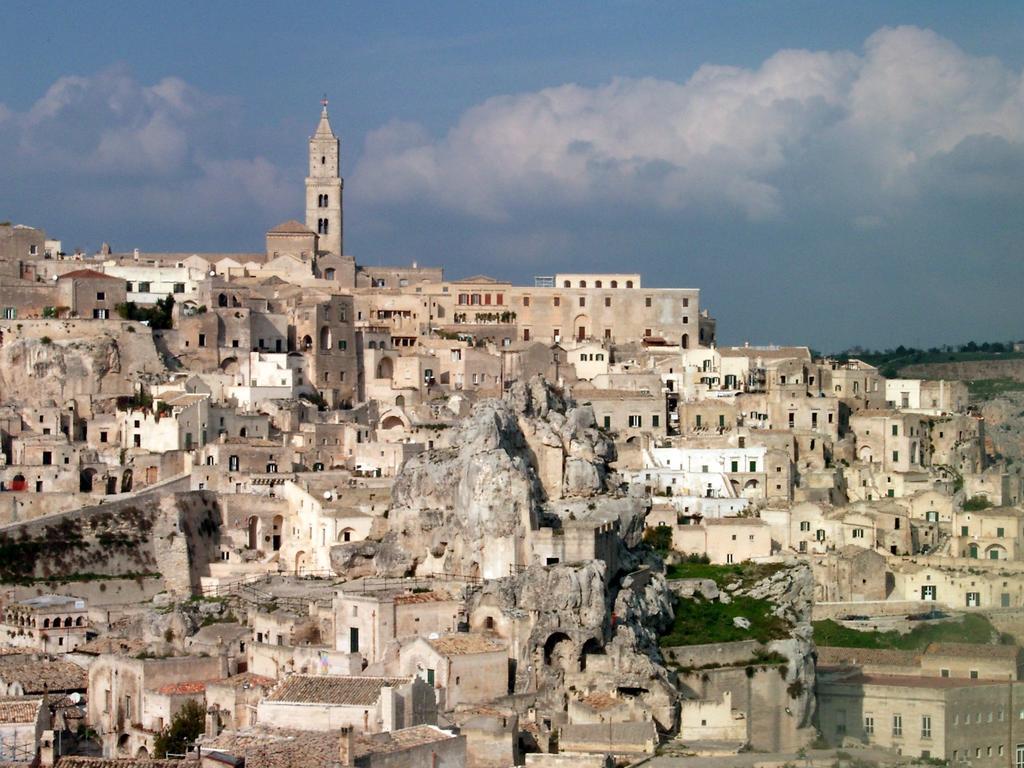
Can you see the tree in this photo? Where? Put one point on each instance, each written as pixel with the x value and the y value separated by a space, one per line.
pixel 185 727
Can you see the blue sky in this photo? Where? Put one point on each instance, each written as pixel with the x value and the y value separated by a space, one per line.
pixel 828 173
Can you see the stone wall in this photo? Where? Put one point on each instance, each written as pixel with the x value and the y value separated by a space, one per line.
pixel 174 534
pixel 967 371
pixel 720 654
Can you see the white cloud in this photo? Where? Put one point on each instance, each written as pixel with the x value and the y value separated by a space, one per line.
pixel 728 136
pixel 165 151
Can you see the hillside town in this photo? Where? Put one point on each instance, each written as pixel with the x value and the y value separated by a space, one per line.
pixel 321 513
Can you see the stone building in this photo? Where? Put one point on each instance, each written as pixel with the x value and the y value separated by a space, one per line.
pixel 91 294
pixel 324 188
pixel 365 704
pixel 47 624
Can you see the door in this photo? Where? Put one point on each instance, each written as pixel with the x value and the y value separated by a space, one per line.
pixel 928 592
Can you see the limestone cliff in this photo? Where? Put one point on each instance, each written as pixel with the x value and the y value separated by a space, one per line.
pixel 58 360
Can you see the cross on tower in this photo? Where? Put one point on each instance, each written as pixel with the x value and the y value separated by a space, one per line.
pixel 323 101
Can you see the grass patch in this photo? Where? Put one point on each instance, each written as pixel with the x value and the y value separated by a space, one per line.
pixel 988 389
pixel 973 628
pixel 700 621
pixel 746 573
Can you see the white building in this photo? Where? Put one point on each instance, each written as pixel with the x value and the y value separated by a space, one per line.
pixel 710 473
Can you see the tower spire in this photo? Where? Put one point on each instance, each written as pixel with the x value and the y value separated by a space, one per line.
pixel 323 128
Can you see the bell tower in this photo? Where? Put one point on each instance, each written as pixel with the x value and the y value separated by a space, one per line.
pixel 324 185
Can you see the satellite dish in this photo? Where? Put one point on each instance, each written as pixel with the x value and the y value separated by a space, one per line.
pixel 76 698
pixel 433 636
pixel 54 278
pixel 327 495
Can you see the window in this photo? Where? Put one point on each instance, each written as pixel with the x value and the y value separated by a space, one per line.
pixel 869 724
pixel 202 339
pixel 858 533
pixel 753 463
pixel 729 559
pixel 101 296
pixel 233 463
pixel 974 676
pixel 607 422
pixel 635 421
pixel 10 313
pixel 557 301
pixel 647 301
pixel 944 673
pixel 897 725
pixel 999 533
pixel 735 466
pixel 526 301
pixel 805 525
pixel 895 455
pixel 342 345
pixel 926 726
pixel 607 301
pixel 895 430
pixel 655 420
pixel 144 287
pixel 583 301
pixel 179 287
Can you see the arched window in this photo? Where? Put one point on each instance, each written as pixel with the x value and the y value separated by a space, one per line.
pixel 597 283
pixel 615 283
pixel 583 283
pixel 629 283
pixel 323 160
pixel 325 201
pixel 326 222
pixel 566 284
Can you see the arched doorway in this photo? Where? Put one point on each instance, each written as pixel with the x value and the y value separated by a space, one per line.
pixel 581 327
pixel 85 480
pixel 385 368
pixel 400 401
pixel 301 563
pixel 685 341
pixel 325 338
pixel 557 650
pixel 592 647
pixel 126 481
pixel 391 422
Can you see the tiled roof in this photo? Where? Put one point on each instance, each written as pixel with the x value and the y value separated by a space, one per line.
pixel 973 651
pixel 908 681
pixel 250 679
pixel 19 709
pixel 829 656
pixel 465 643
pixel 421 597
pixel 264 747
pixel 109 762
pixel 38 675
pixel 291 227
pixel 186 688
pixel 88 274
pixel 334 689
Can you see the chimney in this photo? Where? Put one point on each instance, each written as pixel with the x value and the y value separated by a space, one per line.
pixel 346 747
pixel 46 750
pixel 387 708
